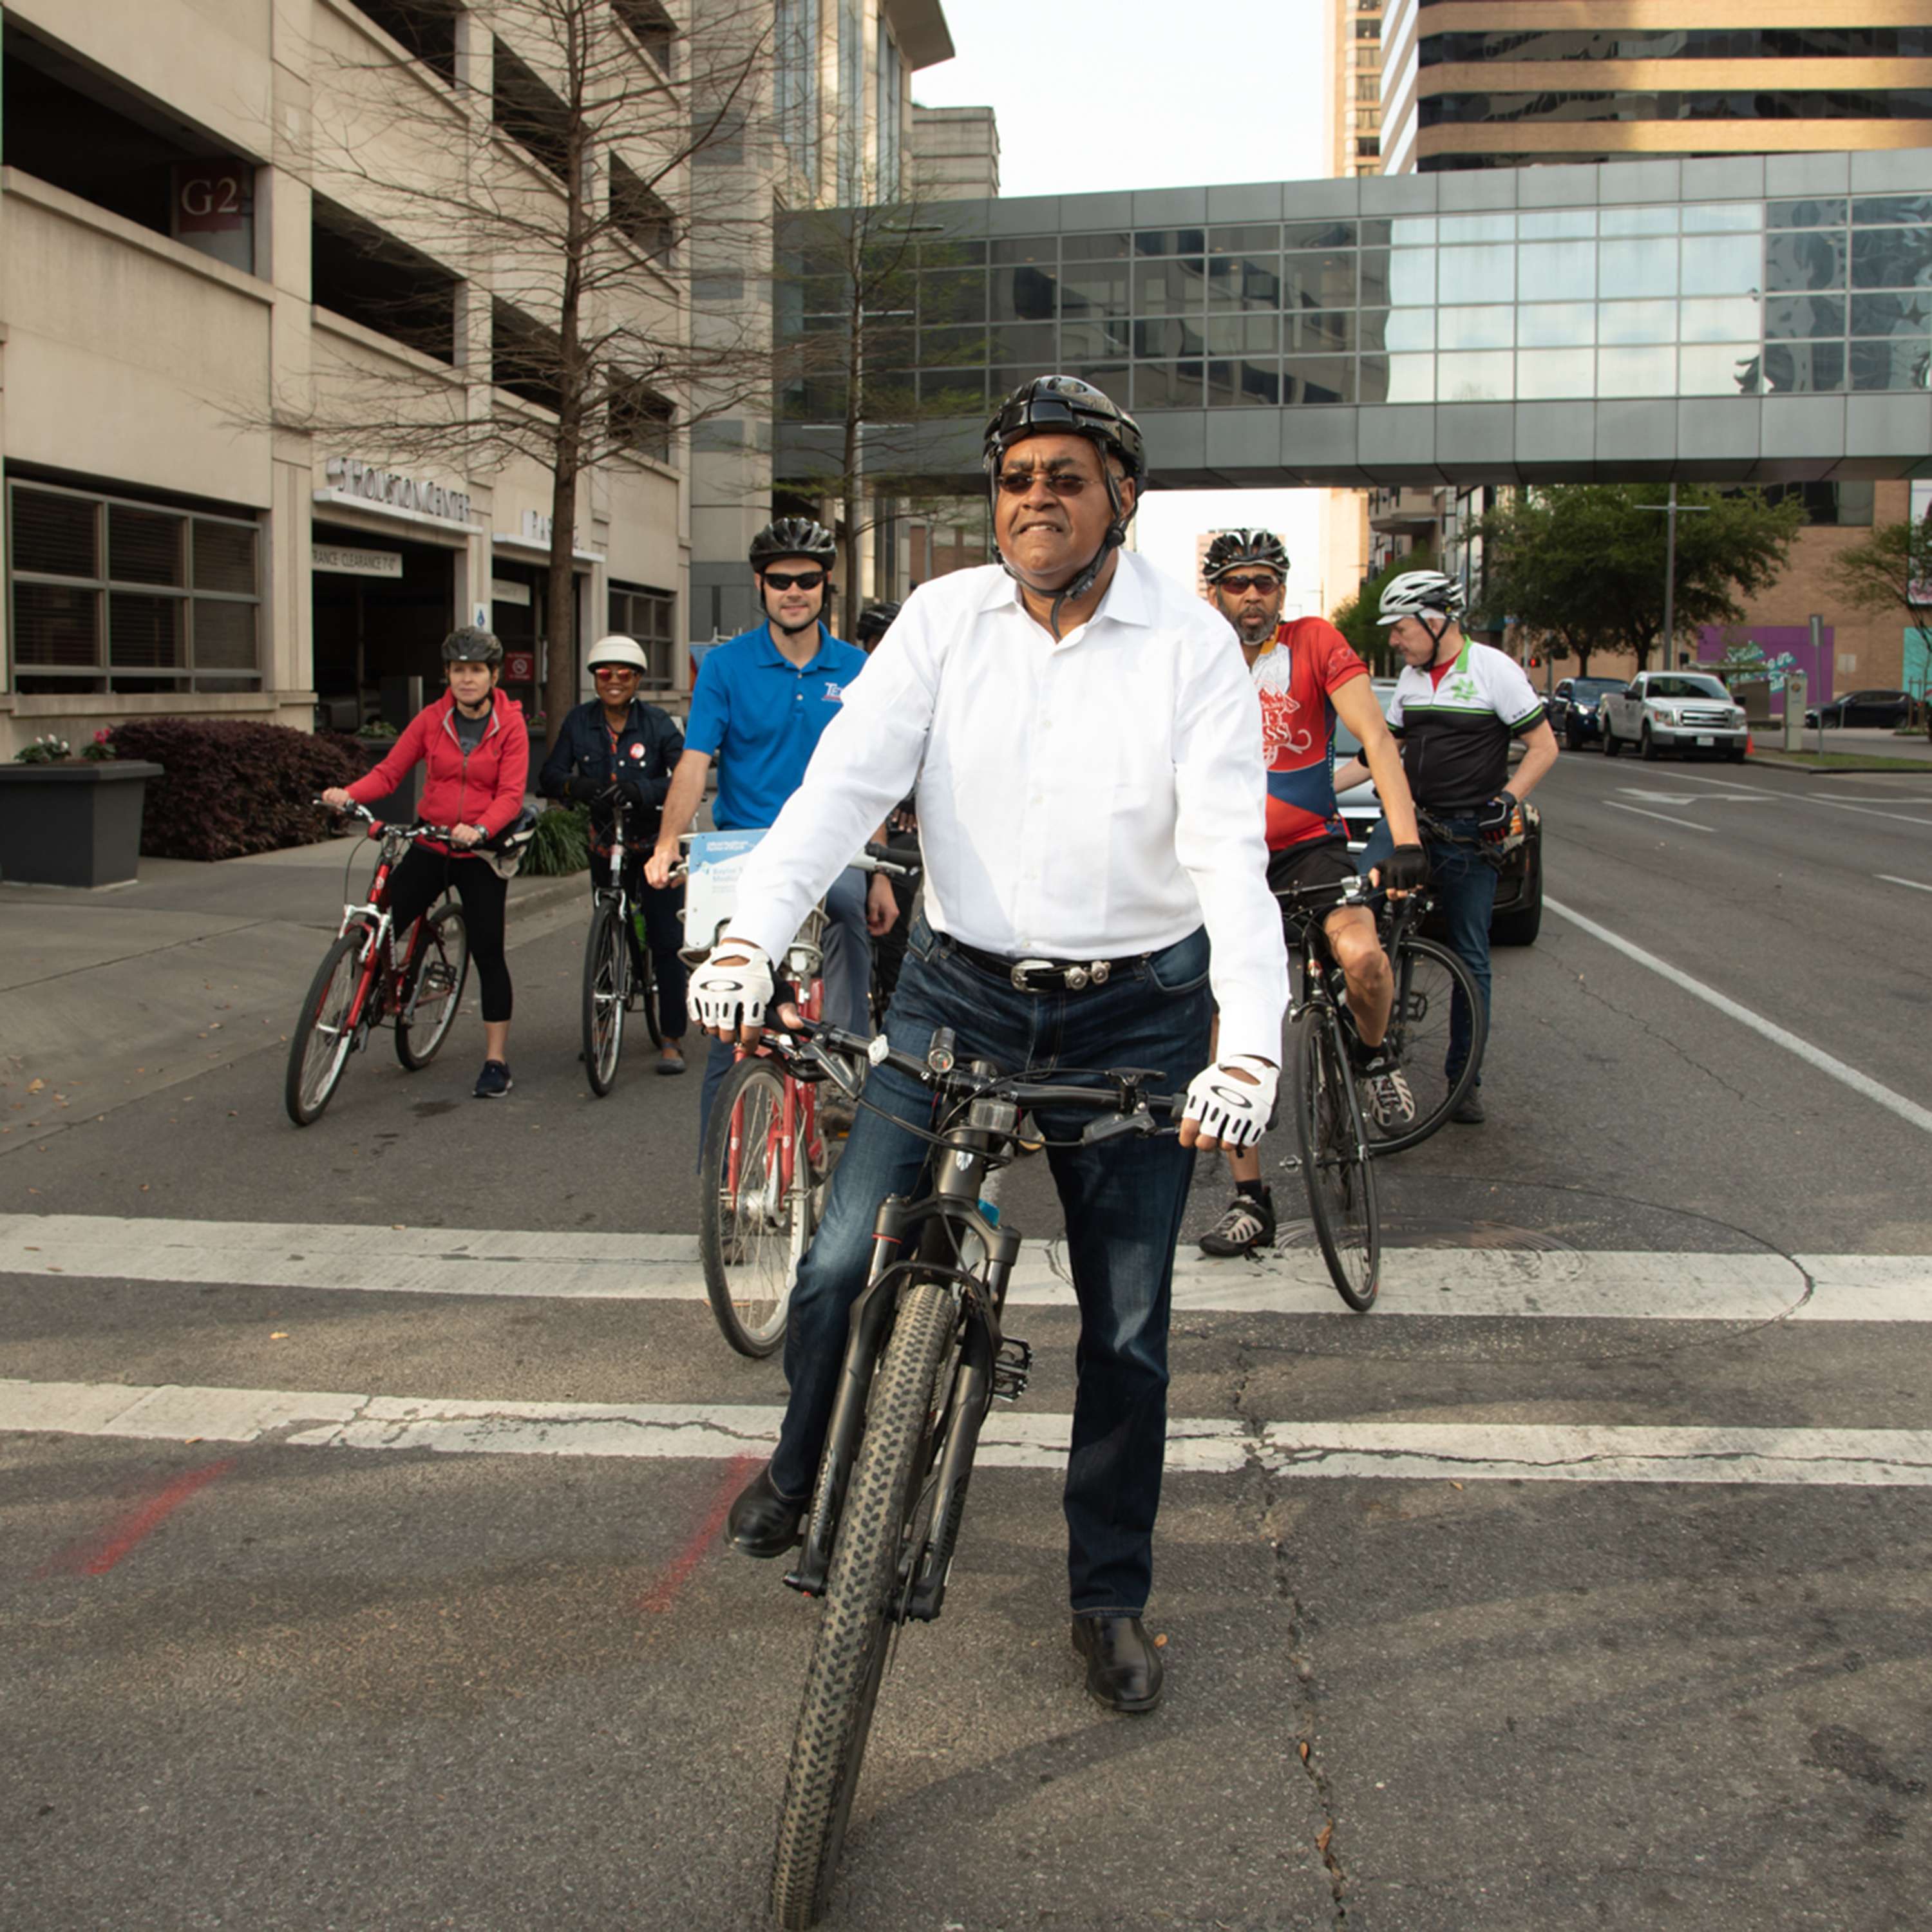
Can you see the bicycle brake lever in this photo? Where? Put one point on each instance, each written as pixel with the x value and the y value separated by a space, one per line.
pixel 1111 1126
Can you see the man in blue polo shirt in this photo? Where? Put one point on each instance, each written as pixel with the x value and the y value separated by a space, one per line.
pixel 760 704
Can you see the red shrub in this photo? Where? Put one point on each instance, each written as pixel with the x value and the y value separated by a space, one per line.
pixel 231 787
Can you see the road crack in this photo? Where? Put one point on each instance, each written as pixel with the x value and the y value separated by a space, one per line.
pixel 1299 1632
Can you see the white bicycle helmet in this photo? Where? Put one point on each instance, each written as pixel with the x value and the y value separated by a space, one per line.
pixel 618 649
pixel 1420 593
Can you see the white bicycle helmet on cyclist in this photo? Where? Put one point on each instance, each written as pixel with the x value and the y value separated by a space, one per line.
pixel 1423 594
pixel 618 649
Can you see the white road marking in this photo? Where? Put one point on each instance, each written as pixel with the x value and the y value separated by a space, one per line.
pixel 1486 1282
pixel 1830 801
pixel 1664 816
pixel 1908 1111
pixel 1865 798
pixel 1662 797
pixel 1917 885
pixel 1533 1452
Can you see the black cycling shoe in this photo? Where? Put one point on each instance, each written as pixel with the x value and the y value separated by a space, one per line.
pixel 494 1081
pixel 1124 1668
pixel 1248 1224
pixel 762 1522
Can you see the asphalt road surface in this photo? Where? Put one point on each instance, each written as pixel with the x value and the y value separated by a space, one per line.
pixel 359 1562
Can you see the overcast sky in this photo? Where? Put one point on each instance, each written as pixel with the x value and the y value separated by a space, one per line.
pixel 1140 94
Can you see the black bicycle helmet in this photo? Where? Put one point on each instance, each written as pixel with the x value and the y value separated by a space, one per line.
pixel 472 644
pixel 874 621
pixel 793 536
pixel 1232 547
pixel 1065 406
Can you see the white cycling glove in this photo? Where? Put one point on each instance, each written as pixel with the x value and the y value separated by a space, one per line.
pixel 1229 1110
pixel 733 987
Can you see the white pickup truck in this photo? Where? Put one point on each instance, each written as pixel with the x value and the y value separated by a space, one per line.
pixel 1686 712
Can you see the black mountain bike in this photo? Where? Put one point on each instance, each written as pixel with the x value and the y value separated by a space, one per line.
pixel 1331 1132
pixel 618 976
pixel 926 1359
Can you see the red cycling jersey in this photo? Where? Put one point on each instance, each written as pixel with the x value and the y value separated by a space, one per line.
pixel 1293 676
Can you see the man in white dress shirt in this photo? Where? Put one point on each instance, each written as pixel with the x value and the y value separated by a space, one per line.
pixel 1086 750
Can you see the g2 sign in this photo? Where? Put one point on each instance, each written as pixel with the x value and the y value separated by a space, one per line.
pixel 214 198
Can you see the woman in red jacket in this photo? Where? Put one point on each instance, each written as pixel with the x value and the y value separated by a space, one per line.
pixel 478 755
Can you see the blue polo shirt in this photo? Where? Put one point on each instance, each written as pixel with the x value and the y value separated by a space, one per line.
pixel 760 716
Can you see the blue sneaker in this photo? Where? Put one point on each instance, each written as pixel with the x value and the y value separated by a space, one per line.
pixel 494 1081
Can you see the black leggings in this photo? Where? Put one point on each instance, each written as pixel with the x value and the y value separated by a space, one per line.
pixel 421 879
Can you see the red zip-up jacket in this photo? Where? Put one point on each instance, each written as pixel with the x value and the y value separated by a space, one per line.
pixel 484 786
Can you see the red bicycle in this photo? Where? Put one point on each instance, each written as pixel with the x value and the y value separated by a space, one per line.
pixel 766 1164
pixel 370 977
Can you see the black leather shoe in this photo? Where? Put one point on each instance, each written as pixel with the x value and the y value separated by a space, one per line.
pixel 1469 1111
pixel 762 1522
pixel 1124 1669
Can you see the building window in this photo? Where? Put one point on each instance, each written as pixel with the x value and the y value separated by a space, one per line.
pixel 641 418
pixel 892 94
pixel 531 114
pixel 852 101
pixel 359 271
pixel 651 28
pixel 426 28
pixel 649 616
pixel 795 82
pixel 644 217
pixel 108 594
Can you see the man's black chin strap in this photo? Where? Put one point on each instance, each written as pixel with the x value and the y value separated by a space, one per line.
pixel 1437 632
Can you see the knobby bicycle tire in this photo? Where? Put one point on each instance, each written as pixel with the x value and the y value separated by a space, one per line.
pixel 1429 978
pixel 436 980
pixel 848 1657
pixel 752 1229
pixel 606 983
pixel 1340 1177
pixel 319 1047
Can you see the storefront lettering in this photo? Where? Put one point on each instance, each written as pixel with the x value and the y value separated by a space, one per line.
pixel 355 478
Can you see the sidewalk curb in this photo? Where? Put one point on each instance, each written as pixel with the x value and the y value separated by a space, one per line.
pixel 1903 768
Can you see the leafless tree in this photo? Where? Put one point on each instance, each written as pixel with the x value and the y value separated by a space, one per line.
pixel 534 202
pixel 848 296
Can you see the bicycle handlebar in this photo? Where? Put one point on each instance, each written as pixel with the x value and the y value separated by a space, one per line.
pixel 1132 1111
pixel 419 829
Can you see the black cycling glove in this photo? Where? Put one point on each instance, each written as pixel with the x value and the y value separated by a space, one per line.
pixel 1494 819
pixel 1404 870
pixel 583 790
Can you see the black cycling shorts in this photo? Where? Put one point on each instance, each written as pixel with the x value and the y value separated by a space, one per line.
pixel 1315 861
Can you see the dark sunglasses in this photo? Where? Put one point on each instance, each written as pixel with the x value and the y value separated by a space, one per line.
pixel 1263 581
pixel 1063 483
pixel 806 579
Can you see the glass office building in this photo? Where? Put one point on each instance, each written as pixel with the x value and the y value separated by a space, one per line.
pixel 1461 324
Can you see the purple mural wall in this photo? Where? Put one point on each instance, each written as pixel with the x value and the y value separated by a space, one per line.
pixel 1775 641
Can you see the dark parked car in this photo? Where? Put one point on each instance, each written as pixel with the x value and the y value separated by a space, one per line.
pixel 1572 709
pixel 1518 913
pixel 1864 707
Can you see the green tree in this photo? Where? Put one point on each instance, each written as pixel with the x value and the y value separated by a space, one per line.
pixel 1354 616
pixel 1583 565
pixel 1891 570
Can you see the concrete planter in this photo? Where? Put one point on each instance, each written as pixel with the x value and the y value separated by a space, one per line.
pixel 73 825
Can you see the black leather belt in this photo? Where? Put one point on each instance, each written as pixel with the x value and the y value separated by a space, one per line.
pixel 1044 976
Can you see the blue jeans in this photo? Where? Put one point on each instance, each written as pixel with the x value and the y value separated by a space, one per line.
pixel 1465 885
pixel 847 977
pixel 1123 1202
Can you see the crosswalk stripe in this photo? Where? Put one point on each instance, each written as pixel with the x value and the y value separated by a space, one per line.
pixel 1196 1446
pixel 1493 1282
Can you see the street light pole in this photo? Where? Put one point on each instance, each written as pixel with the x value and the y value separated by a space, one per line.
pixel 1670 510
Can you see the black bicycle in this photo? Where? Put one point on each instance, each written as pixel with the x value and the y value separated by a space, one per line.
pixel 618 975
pixel 1331 1133
pixel 926 1359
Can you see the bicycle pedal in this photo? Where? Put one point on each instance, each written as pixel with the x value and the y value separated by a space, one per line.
pixel 1011 1366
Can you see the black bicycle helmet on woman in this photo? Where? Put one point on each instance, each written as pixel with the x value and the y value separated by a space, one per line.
pixel 1065 406
pixel 472 644
pixel 874 621
pixel 1234 548
pixel 793 536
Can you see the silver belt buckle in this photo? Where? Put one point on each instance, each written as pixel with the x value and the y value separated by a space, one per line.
pixel 1022 967
pixel 1074 977
pixel 1102 969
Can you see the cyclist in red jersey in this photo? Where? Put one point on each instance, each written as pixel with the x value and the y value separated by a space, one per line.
pixel 1307 675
